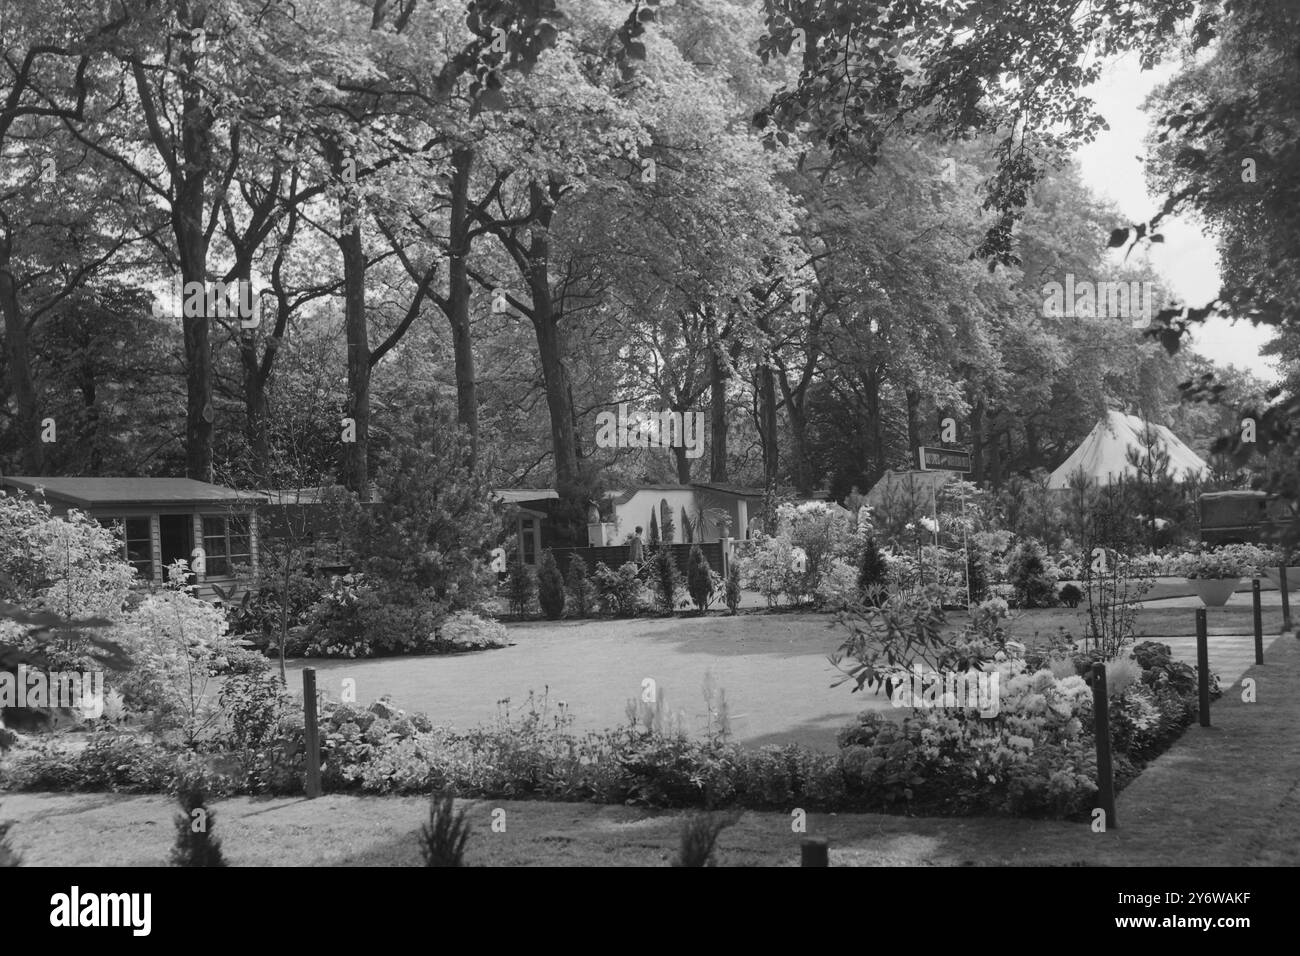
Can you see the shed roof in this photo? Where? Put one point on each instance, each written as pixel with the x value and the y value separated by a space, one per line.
pixel 133 492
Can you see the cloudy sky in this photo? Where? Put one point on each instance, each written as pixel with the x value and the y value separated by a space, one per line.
pixel 1187 259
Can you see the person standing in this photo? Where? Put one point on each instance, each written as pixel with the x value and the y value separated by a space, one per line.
pixel 635 546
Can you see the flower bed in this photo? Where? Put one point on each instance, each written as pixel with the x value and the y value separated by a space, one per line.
pixel 1035 758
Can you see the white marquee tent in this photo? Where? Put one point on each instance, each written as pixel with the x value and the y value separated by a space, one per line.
pixel 1103 455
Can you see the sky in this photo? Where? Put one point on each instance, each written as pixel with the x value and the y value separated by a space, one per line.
pixel 1187 260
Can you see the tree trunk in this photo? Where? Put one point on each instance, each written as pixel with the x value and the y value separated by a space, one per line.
pixel 550 347
pixel 875 425
pixel 458 297
pixel 718 376
pixel 913 424
pixel 355 466
pixel 27 424
pixel 767 424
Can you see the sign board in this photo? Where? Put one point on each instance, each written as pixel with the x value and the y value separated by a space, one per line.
pixel 945 459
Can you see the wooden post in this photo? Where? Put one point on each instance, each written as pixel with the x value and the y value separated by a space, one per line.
pixel 814 851
pixel 1203 666
pixel 310 714
pixel 1286 598
pixel 1259 622
pixel 1101 727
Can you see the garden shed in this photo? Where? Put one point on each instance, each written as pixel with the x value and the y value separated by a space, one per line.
pixel 161 520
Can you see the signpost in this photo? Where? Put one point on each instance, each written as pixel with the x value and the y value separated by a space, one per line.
pixel 949 459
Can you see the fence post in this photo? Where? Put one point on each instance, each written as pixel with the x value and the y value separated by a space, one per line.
pixel 310 707
pixel 1259 622
pixel 814 851
pixel 1101 728
pixel 1286 598
pixel 1203 667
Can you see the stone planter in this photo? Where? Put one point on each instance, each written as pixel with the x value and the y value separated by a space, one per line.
pixel 1214 592
pixel 1292 577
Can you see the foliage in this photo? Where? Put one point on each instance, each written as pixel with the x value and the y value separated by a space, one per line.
pixel 1027 569
pixel 550 587
pixel 872 573
pixel 838 585
pixel 443 837
pixel 619 592
pixel 69 565
pixel 701 582
pixel 665 579
pixel 353 618
pixel 421 541
pixel 1071 595
pixel 178 644
pixel 582 594
pixel 465 630
pixel 521 586
pixel 1225 561
pixel 196 845
pixel 700 832
pixel 732 594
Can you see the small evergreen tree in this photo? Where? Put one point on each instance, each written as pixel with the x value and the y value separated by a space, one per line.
pixel 733 586
pixel 442 839
pixel 654 527
pixel 582 593
pixel 699 580
pixel 521 586
pixel 687 531
pixel 196 845
pixel 666 529
pixel 873 575
pixel 665 579
pixel 550 587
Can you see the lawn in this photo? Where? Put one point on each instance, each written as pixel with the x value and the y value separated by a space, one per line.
pixel 772 667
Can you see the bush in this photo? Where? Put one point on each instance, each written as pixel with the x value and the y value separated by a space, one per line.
pixel 177 643
pixel 582 595
pixel 442 839
pixel 1034 585
pixel 838 585
pixel 521 587
pixel 665 579
pixel 195 843
pixel 550 587
pixel 619 592
pixel 699 579
pixel 873 573
pixel 733 586
pixel 1070 595
pixel 465 631
pixel 354 618
pixel 977 574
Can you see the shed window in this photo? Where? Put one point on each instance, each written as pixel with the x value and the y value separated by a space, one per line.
pixel 226 545
pixel 136 537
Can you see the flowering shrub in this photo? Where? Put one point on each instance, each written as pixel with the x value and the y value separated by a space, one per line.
pixel 177 644
pixel 838 587
pixel 465 630
pixel 70 565
pixel 767 567
pixel 1227 561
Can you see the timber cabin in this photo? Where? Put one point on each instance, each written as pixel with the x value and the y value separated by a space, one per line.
pixel 161 520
